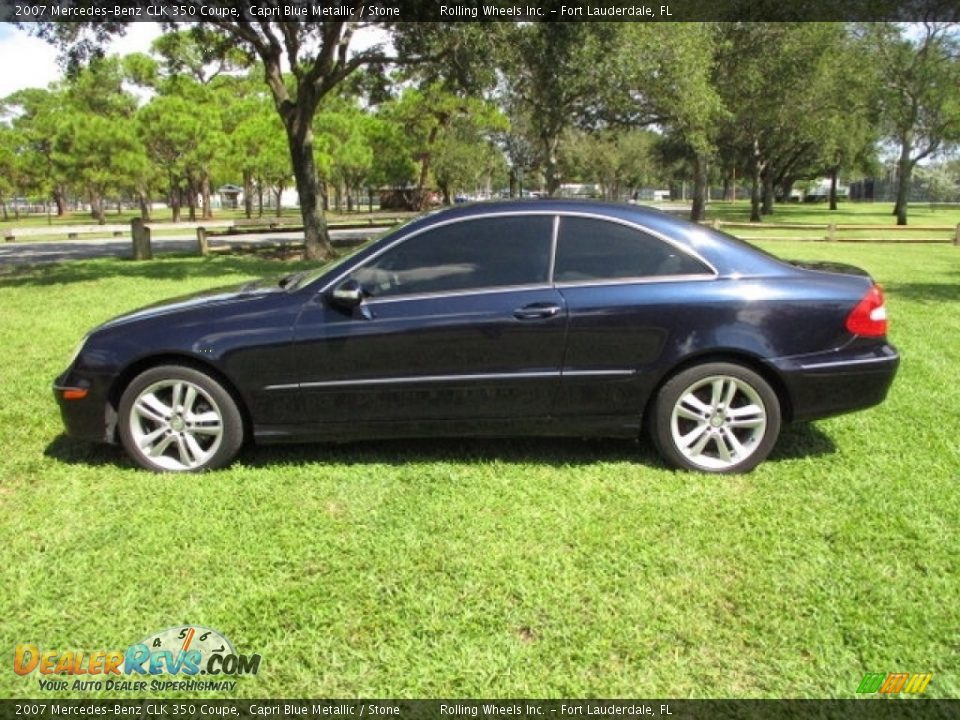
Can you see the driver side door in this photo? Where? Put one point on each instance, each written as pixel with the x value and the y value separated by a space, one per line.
pixel 459 322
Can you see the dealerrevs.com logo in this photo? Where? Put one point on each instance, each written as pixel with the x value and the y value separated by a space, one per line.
pixel 185 651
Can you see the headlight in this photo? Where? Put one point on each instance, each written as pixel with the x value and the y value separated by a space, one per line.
pixel 76 350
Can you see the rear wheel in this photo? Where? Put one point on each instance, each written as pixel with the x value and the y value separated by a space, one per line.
pixel 716 417
pixel 177 419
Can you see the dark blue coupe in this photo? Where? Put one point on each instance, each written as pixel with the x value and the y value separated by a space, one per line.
pixel 514 318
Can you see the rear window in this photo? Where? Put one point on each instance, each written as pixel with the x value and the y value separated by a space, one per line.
pixel 592 249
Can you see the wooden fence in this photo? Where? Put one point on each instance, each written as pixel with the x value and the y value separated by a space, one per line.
pixel 835 232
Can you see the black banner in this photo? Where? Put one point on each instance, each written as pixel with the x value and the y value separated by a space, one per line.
pixel 187 11
pixel 865 709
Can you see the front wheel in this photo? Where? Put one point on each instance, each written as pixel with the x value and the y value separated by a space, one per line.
pixel 716 417
pixel 177 419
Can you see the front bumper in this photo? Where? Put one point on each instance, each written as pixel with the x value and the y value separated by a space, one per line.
pixel 839 381
pixel 91 417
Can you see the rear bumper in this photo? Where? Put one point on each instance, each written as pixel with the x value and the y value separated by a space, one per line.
pixel 837 382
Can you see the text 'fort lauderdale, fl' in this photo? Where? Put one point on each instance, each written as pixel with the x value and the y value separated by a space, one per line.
pixel 461 12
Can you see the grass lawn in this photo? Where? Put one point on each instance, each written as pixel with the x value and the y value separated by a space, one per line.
pixel 535 568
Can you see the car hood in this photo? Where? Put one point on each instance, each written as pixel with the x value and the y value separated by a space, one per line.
pixel 204 298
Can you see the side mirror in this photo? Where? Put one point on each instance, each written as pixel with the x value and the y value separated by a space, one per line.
pixel 347 294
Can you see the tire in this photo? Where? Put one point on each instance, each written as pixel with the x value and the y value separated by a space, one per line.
pixel 176 419
pixel 716 418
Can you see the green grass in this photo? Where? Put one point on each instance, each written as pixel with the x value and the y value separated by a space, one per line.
pixel 538 568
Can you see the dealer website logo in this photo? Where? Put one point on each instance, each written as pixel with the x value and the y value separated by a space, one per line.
pixel 184 651
pixel 894 683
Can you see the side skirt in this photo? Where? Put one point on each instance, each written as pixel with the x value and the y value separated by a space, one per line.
pixel 615 427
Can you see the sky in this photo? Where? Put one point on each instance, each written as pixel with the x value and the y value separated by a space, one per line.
pixel 31 62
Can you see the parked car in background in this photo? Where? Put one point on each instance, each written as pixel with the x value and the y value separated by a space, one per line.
pixel 496 319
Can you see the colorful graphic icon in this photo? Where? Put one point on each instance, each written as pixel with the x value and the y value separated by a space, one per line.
pixel 893 683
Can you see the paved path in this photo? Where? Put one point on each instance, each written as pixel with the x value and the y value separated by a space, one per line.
pixel 15 253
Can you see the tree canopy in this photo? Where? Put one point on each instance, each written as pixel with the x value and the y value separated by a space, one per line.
pixel 449 108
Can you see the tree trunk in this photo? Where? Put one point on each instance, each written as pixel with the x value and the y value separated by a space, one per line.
pixel 768 194
pixel 207 213
pixel 903 185
pixel 421 194
pixel 144 206
pixel 278 193
pixel 60 198
pixel 730 186
pixel 97 209
pixel 513 183
pixel 192 200
pixel 755 184
pixel 260 199
pixel 248 194
pixel 300 139
pixel 349 200
pixel 551 171
pixel 699 207
pixel 3 206
pixel 174 200
pixel 786 188
pixel 833 187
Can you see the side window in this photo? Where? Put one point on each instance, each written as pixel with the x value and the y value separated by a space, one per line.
pixel 589 249
pixel 480 253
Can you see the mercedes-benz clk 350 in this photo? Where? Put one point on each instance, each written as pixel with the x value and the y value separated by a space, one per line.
pixel 549 318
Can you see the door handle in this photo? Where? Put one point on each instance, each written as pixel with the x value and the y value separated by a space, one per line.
pixel 536 311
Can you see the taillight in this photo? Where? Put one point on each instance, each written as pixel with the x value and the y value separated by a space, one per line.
pixel 869 317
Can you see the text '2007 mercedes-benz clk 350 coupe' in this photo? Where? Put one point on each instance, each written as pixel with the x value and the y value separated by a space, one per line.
pixel 561 317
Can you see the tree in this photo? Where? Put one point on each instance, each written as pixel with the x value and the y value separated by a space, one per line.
pixel 919 73
pixel 466 156
pixel 103 155
pixel 343 139
pixel 663 76
pixel 940 184
pixel 619 160
pixel 432 117
pixel 37 115
pixel 393 165
pixel 319 60
pixel 613 75
pixel 779 83
pixel 176 135
pixel 9 165
pixel 556 73
pixel 256 148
